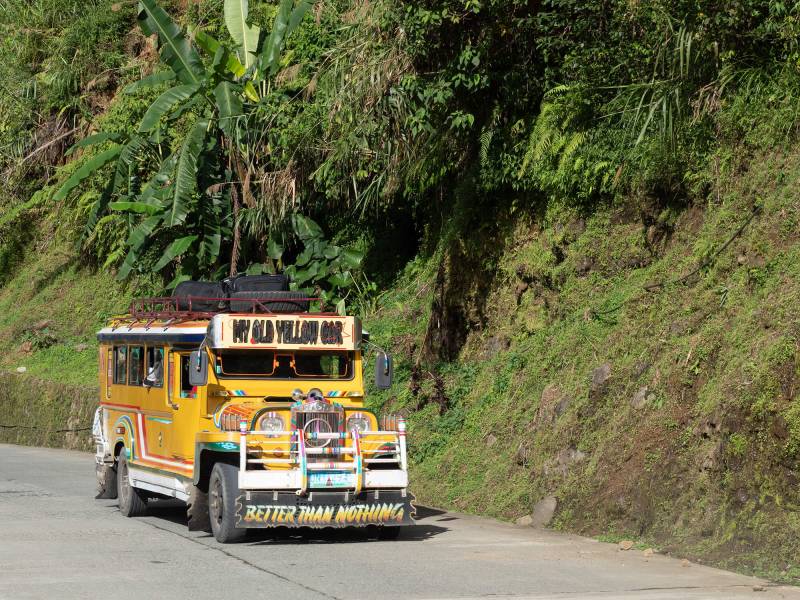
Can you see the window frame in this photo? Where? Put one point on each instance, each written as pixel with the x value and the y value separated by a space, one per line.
pixel 349 354
pixel 117 348
pixel 141 365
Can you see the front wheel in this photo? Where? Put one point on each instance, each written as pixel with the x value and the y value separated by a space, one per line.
pixel 132 502
pixel 223 488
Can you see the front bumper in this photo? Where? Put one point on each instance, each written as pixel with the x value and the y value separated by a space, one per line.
pixel 292 479
pixel 262 509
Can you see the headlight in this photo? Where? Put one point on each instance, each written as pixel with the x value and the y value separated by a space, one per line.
pixel 271 423
pixel 359 422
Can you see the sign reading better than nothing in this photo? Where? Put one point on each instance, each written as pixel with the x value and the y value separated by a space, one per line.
pixel 286 332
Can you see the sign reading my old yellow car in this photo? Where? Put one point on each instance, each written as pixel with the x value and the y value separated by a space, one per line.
pixel 285 332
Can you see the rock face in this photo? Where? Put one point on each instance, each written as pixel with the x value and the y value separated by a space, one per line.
pixel 542 514
pixel 641 397
pixel 552 405
pixel 570 456
pixel 543 511
pixel 600 377
pixel 40 325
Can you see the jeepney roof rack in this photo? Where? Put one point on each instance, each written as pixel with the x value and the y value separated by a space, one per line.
pixel 189 308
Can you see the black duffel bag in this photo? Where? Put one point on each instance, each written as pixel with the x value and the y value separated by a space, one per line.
pixel 276 302
pixel 193 296
pixel 258 283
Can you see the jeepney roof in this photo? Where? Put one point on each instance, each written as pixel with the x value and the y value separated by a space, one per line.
pixel 285 331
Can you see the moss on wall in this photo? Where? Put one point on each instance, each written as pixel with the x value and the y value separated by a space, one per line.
pixel 44 413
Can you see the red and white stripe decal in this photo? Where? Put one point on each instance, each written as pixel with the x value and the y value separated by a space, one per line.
pixel 141 434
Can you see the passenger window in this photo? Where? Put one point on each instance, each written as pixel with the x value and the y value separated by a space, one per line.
pixel 136 373
pixel 120 364
pixel 155 367
pixel 187 390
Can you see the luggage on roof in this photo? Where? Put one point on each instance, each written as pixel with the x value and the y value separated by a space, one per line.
pixel 258 283
pixel 200 296
pixel 269 301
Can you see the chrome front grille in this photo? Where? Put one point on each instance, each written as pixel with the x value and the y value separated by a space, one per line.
pixel 319 417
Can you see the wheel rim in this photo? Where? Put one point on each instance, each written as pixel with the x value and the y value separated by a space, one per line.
pixel 216 502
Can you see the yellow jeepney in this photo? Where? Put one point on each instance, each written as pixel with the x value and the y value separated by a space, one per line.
pixel 254 418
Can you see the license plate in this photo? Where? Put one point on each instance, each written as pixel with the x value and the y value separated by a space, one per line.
pixel 330 479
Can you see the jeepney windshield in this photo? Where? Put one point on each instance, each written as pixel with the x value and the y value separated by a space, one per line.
pixel 305 364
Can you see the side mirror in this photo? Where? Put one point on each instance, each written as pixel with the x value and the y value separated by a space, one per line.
pixel 148 383
pixel 383 371
pixel 198 368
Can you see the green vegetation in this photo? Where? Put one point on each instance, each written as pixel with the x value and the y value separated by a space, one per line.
pixel 578 225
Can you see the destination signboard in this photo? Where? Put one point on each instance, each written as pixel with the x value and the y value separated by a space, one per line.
pixel 285 332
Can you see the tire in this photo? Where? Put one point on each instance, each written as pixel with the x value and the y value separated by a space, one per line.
pixel 387 533
pixel 132 502
pixel 223 488
pixel 276 302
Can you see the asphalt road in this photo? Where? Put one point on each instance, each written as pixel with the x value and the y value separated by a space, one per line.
pixel 56 541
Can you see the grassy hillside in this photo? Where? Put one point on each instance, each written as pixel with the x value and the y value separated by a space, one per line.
pixel 579 224
pixel 667 413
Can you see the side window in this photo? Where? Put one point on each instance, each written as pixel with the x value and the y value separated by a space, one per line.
pixel 155 367
pixel 187 390
pixel 120 364
pixel 136 369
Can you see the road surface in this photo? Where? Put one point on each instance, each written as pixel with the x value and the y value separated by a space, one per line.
pixel 56 541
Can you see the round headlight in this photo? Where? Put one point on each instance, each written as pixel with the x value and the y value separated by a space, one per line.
pixel 359 422
pixel 271 423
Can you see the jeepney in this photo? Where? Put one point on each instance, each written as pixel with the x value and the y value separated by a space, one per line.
pixel 254 418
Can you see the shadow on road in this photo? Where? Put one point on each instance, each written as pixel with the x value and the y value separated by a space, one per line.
pixel 175 512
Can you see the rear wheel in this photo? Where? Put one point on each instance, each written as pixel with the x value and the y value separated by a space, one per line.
pixel 132 502
pixel 223 488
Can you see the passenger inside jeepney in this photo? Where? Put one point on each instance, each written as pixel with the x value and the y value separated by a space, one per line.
pixel 187 389
pixel 155 367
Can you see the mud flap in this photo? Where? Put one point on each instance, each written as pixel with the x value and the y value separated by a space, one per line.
pixel 324 509
pixel 197 510
pixel 106 482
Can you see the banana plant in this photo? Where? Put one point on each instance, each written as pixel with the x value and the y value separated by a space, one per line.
pixel 180 203
pixel 320 268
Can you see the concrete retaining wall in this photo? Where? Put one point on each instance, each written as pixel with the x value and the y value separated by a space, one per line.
pixel 34 412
